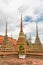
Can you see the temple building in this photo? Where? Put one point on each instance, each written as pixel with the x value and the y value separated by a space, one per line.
pixel 37 45
pixel 19 47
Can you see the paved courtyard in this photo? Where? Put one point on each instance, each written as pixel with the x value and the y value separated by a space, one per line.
pixel 17 61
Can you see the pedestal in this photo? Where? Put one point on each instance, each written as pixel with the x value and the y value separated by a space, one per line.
pixel 22 56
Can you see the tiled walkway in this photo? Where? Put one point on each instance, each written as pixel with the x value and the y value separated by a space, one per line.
pixel 17 61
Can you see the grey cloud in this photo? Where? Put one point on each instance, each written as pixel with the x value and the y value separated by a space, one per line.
pixel 5 2
pixel 37 10
pixel 22 8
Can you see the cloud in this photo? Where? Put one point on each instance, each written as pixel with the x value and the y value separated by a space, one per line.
pixel 5 2
pixel 31 8
pixel 22 8
pixel 40 18
pixel 27 19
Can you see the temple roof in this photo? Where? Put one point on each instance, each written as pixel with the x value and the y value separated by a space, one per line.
pixel 9 39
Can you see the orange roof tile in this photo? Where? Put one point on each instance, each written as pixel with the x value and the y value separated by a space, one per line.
pixel 9 39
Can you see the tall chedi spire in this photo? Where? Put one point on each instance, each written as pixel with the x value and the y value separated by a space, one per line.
pixel 7 44
pixel 5 38
pixel 5 41
pixel 21 43
pixel 37 40
pixel 6 30
pixel 21 29
pixel 21 34
pixel 37 37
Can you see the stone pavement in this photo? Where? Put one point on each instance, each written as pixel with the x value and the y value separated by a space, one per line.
pixel 17 61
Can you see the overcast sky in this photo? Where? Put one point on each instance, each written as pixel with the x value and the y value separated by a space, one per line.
pixel 32 12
